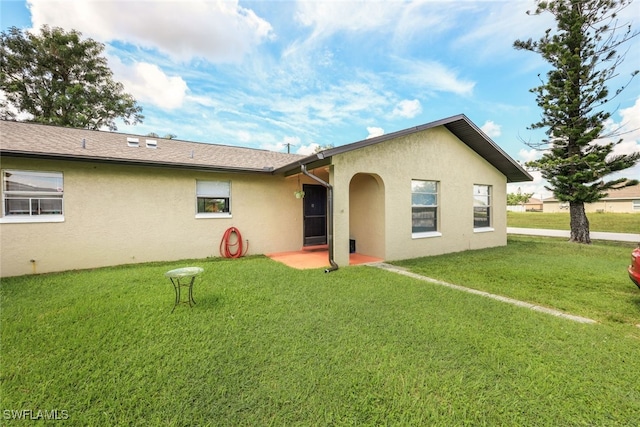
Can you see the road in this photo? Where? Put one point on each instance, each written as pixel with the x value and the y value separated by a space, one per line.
pixel 595 235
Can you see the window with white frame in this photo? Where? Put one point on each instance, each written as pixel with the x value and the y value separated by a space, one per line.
pixel 32 195
pixel 213 198
pixel 424 207
pixel 481 206
pixel 636 205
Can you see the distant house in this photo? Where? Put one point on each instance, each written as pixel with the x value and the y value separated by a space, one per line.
pixel 532 205
pixel 75 199
pixel 624 200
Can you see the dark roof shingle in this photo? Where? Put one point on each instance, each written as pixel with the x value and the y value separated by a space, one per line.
pixel 35 140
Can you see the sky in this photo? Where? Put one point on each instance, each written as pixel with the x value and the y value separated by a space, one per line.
pixel 296 74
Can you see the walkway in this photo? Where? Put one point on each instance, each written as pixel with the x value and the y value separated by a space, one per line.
pixel 405 272
pixel 595 235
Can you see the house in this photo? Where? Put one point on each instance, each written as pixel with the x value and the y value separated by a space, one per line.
pixel 75 198
pixel 531 205
pixel 624 200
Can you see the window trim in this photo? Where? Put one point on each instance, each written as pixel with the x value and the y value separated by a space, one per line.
pixel 430 233
pixel 30 218
pixel 200 215
pixel 425 234
pixel 488 206
pixel 483 229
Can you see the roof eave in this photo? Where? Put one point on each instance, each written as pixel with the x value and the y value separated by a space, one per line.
pixel 134 162
pixel 512 170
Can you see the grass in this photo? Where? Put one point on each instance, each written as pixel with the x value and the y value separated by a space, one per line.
pixel 608 222
pixel 587 280
pixel 268 345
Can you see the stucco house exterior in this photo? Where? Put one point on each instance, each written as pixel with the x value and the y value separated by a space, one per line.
pixel 624 200
pixel 74 198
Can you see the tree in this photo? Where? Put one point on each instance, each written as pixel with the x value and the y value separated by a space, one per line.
pixel 320 148
pixel 515 199
pixel 167 136
pixel 583 56
pixel 57 78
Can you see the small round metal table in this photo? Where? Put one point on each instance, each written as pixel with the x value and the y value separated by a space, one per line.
pixel 183 277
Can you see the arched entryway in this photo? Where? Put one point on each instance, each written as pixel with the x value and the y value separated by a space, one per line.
pixel 367 214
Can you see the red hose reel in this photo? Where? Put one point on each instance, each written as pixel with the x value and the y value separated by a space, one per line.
pixel 230 247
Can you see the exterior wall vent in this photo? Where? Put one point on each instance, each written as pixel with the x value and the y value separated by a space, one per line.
pixel 133 142
pixel 152 143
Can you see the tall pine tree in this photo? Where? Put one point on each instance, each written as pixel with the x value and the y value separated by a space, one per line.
pixel 583 54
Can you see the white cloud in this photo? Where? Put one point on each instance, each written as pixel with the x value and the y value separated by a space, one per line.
pixel 148 83
pixel 329 17
pixel 287 144
pixel 535 187
pixel 426 17
pixel 630 126
pixel 374 131
pixel 403 20
pixel 497 24
pixel 528 155
pixel 336 103
pixel 244 136
pixel 407 108
pixel 219 30
pixel 434 76
pixel 491 129
pixel 629 129
pixel 308 149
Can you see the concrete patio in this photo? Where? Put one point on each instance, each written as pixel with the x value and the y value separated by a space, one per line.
pixel 316 257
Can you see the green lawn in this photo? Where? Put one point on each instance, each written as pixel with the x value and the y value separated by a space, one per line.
pixel 586 280
pixel 610 222
pixel 269 345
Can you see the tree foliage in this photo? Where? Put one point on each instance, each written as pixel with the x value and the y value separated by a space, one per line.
pixel 57 78
pixel 167 136
pixel 515 199
pixel 320 148
pixel 583 54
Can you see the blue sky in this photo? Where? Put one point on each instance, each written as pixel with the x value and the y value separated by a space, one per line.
pixel 264 74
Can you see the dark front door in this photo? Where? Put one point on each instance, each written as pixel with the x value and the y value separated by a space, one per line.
pixel 315 214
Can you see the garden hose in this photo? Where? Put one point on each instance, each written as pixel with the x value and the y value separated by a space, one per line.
pixel 229 249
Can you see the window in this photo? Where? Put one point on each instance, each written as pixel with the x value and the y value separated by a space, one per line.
pixel 636 205
pixel 213 198
pixel 32 196
pixel 481 206
pixel 424 208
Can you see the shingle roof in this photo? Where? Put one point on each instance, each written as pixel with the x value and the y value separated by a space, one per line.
pixel 460 126
pixel 35 140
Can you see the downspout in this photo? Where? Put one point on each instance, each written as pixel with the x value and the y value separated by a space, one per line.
pixel 329 187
